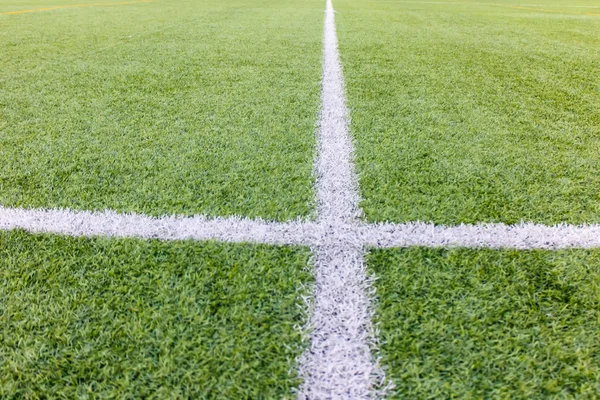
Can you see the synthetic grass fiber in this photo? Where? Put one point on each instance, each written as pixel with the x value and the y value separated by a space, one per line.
pixel 106 318
pixel 489 323
pixel 468 112
pixel 161 108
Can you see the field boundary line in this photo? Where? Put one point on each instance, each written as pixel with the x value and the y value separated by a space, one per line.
pixel 74 6
pixel 523 236
pixel 529 7
pixel 130 225
pixel 517 7
pixel 338 363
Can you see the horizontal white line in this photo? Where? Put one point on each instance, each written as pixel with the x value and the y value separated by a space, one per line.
pixel 113 224
pixel 490 235
pixel 239 230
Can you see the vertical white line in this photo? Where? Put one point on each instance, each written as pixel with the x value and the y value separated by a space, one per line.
pixel 338 364
pixel 337 185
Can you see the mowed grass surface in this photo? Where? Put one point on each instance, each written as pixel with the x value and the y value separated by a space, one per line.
pixel 168 107
pixel 488 323
pixel 25 6
pixel 467 112
pixel 137 319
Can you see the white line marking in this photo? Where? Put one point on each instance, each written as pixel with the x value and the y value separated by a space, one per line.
pixel 112 224
pixel 338 364
pixel 337 184
pixel 525 236
pixel 463 3
pixel 522 236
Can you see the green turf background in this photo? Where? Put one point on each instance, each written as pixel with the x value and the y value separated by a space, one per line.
pixel 467 112
pixel 488 323
pixel 169 107
pixel 105 318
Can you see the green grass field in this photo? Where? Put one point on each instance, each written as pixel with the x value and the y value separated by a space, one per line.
pixel 461 112
pixel 143 319
pixel 121 106
pixel 467 112
pixel 488 323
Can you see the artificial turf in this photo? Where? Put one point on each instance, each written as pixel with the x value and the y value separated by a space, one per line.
pixel 163 107
pixel 467 111
pixel 107 318
pixel 461 323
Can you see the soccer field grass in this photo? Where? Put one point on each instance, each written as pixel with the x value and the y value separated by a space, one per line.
pixel 488 323
pixel 473 112
pixel 121 106
pixel 204 199
pixel 132 318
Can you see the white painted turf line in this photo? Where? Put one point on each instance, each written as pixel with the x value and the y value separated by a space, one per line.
pixel 112 224
pixel 338 364
pixel 525 236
